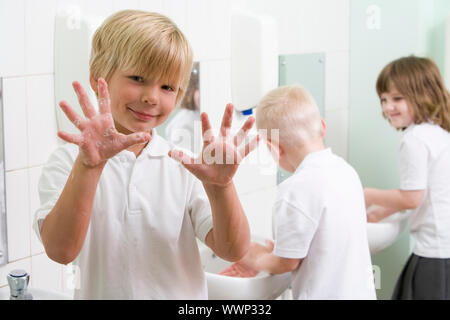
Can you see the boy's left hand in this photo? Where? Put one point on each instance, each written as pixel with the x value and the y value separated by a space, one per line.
pixel 247 266
pixel 220 156
pixel 368 197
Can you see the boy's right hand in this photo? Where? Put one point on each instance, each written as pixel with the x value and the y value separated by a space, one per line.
pixel 99 140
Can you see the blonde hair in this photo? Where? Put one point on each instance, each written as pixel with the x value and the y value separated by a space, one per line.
pixel 291 110
pixel 420 82
pixel 148 44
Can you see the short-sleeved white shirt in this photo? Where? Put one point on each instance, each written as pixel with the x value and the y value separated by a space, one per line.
pixel 147 213
pixel 425 165
pixel 320 217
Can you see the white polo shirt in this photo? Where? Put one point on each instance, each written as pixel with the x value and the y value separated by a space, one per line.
pixel 320 217
pixel 425 165
pixel 146 215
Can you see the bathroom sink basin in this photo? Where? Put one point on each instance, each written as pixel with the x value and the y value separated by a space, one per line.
pixel 382 234
pixel 262 287
pixel 38 294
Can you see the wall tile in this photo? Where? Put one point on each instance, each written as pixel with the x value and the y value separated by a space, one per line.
pixel 258 208
pixel 328 19
pixel 45 273
pixel 33 179
pixel 337 80
pixel 119 5
pixel 76 8
pixel 17 214
pixel 209 28
pixel 336 24
pixel 337 131
pixel 15 123
pixel 151 5
pixel 215 89
pixel 176 11
pixel 42 139
pixel 39 31
pixel 12 35
pixel 100 8
pixel 257 171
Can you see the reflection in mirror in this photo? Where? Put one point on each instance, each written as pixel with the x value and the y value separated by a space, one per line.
pixel 183 128
pixel 3 237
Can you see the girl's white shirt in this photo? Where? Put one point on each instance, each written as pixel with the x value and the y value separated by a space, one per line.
pixel 141 242
pixel 425 165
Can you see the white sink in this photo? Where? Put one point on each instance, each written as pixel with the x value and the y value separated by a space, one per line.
pixel 261 287
pixel 382 234
pixel 266 287
pixel 38 294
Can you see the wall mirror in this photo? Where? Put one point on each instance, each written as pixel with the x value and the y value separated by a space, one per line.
pixel 183 127
pixel 3 236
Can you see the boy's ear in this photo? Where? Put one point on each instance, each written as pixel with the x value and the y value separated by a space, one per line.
pixel 275 148
pixel 324 128
pixel 94 84
pixel 280 150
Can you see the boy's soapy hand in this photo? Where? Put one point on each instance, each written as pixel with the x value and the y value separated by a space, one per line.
pixel 375 214
pixel 239 270
pixel 220 156
pixel 99 140
pixel 248 266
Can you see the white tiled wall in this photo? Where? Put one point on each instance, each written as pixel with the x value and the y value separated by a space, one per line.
pixel 306 26
pixel 26 64
pixel 12 18
pixel 15 123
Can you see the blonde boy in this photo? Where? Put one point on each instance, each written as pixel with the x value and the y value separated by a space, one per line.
pixel 319 214
pixel 113 200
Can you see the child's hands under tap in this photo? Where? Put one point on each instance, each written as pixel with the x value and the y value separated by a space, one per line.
pixel 99 140
pixel 247 266
pixel 220 156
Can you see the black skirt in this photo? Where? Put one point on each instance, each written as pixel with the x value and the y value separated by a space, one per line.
pixel 424 279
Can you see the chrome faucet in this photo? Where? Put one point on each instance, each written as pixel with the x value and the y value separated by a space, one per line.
pixel 18 285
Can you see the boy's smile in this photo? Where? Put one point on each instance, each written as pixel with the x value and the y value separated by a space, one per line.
pixel 138 104
pixel 142 115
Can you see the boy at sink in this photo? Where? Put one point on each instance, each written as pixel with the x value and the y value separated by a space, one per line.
pixel 319 214
pixel 113 200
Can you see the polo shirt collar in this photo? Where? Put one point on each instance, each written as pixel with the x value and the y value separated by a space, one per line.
pixel 314 157
pixel 157 147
